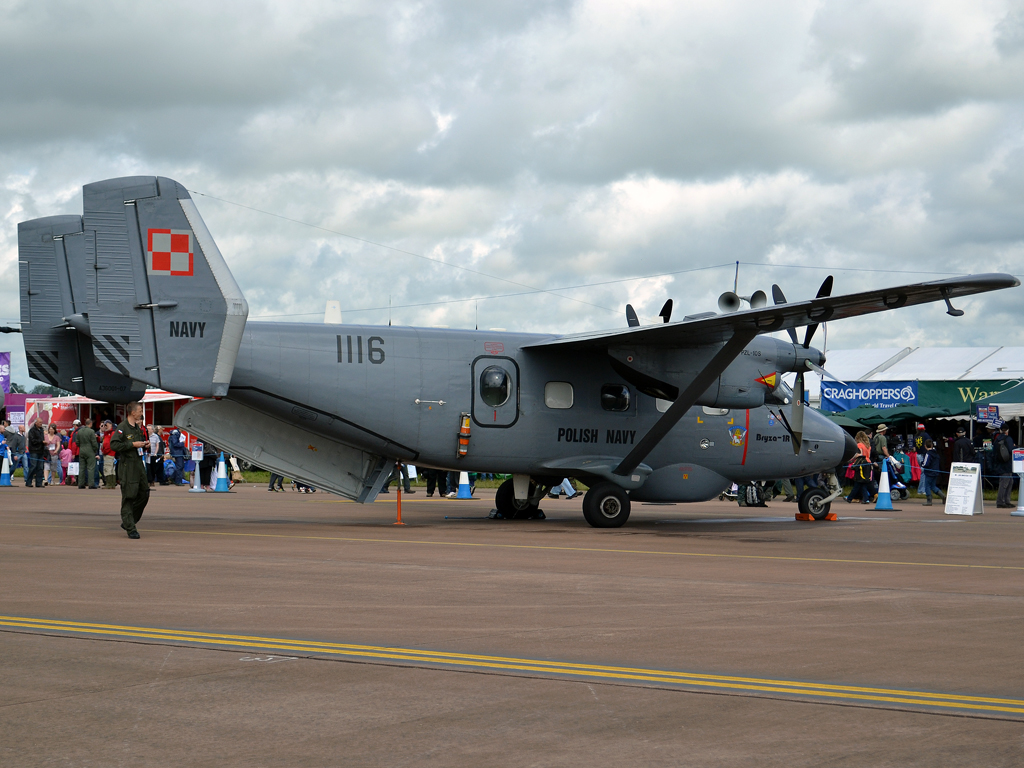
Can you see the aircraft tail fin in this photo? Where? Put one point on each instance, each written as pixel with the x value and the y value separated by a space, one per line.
pixel 50 251
pixel 158 301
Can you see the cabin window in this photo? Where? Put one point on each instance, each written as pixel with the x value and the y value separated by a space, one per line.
pixel 558 394
pixel 715 411
pixel 615 397
pixel 495 386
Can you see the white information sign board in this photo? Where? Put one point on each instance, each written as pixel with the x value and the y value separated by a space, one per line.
pixel 963 497
pixel 1018 461
pixel 197 451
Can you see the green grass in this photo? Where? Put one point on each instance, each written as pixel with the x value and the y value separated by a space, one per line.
pixel 419 482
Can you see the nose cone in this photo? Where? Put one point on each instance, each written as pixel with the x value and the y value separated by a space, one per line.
pixel 851 448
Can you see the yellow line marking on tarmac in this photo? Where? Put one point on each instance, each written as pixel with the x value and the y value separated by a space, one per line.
pixel 566 670
pixel 490 545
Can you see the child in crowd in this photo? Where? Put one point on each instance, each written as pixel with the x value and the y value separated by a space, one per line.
pixel 65 459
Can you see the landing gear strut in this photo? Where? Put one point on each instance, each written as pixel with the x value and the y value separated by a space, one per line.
pixel 606 505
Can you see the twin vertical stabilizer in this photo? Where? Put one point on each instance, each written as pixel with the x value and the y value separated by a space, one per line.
pixel 136 285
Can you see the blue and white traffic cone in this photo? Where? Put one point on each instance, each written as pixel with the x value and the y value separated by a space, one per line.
pixel 5 475
pixel 884 496
pixel 465 492
pixel 222 476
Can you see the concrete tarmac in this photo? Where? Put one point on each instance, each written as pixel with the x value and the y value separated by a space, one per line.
pixel 281 629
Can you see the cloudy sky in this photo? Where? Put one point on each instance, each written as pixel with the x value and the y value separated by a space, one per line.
pixel 605 152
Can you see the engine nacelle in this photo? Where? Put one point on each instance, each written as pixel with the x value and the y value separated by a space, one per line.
pixel 665 372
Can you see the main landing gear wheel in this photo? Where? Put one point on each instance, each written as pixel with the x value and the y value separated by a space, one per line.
pixel 510 507
pixel 810 503
pixel 606 505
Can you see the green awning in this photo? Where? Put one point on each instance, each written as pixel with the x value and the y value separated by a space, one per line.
pixel 869 415
pixel 960 396
pixel 842 421
pixel 1011 395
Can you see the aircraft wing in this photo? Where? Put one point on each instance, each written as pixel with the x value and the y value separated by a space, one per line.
pixel 716 329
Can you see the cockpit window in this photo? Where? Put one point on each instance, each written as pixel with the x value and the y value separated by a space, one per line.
pixel 781 395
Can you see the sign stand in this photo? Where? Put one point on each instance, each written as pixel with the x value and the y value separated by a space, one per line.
pixel 1018 469
pixel 964 497
pixel 197 456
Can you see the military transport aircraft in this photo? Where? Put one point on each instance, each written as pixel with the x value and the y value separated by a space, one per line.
pixel 135 292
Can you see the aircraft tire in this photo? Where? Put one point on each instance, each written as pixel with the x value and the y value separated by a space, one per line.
pixel 810 503
pixel 510 508
pixel 606 505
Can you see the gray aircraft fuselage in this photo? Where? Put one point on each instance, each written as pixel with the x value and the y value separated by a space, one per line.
pixel 399 391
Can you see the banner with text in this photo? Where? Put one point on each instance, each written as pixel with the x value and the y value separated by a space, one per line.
pixel 5 372
pixel 837 397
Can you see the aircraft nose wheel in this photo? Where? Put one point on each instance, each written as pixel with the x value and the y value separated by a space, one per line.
pixel 606 505
pixel 810 503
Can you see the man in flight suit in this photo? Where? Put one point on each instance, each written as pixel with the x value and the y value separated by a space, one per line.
pixel 88 447
pixel 127 442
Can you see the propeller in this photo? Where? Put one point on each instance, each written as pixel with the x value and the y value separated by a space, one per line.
pixel 822 372
pixel 797 418
pixel 780 298
pixel 666 311
pixel 631 317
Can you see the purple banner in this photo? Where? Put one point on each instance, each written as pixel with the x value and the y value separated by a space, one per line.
pixel 5 372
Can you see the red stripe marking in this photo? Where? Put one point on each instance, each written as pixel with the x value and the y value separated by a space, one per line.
pixel 746 439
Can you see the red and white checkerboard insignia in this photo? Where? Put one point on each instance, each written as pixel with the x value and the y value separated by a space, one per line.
pixel 169 252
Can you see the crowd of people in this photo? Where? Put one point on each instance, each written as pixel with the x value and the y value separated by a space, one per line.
pixel 83 455
pixel 921 461
pixel 916 458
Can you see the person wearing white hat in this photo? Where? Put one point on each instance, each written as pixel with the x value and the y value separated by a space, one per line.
pixel 879 442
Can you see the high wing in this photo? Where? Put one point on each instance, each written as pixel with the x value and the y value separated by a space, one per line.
pixel 729 334
pixel 716 329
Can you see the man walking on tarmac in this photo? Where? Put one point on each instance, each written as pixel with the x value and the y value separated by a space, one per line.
pixel 127 442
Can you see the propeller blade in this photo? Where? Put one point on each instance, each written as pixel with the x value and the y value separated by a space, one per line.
pixel 666 311
pixel 631 317
pixel 797 418
pixel 780 298
pixel 823 291
pixel 826 288
pixel 819 370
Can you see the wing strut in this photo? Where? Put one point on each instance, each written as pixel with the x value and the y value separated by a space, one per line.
pixel 686 399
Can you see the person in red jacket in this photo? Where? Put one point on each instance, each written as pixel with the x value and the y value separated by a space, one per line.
pixel 109 467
